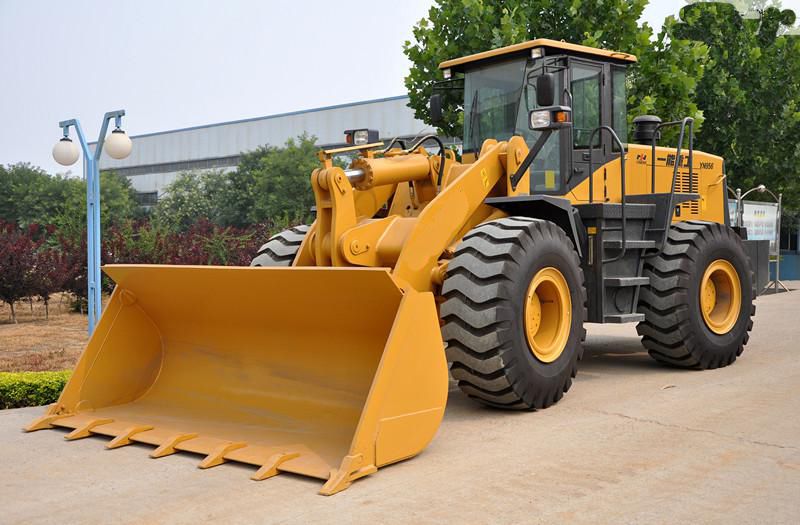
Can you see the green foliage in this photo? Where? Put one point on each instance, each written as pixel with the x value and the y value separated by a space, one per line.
pixel 663 81
pixel 282 179
pixel 270 185
pixel 750 92
pixel 27 389
pixel 117 199
pixel 189 198
pixel 29 195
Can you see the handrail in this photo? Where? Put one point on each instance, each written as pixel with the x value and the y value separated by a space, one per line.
pixel 622 181
pixel 678 160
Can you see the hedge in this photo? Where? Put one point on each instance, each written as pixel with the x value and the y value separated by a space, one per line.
pixel 27 389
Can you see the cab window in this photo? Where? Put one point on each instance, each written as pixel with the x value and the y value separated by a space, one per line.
pixel 619 104
pixel 585 87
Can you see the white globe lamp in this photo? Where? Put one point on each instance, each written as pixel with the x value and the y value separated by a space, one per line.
pixel 118 145
pixel 66 152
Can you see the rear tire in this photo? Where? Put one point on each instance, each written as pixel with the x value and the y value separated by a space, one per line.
pixel 676 331
pixel 281 249
pixel 490 345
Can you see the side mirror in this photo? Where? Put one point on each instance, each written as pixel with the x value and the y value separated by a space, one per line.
pixel 435 109
pixel 545 90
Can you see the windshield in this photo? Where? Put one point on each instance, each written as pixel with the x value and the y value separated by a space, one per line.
pixel 491 96
pixel 497 100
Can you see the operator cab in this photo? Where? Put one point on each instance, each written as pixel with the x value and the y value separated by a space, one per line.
pixel 503 86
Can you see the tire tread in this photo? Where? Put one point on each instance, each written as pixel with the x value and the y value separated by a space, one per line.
pixel 476 314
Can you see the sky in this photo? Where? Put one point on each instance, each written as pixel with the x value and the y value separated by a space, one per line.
pixel 179 63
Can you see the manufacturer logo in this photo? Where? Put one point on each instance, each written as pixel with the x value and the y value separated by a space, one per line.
pixel 684 161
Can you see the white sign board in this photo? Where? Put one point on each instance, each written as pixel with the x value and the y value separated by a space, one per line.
pixel 761 221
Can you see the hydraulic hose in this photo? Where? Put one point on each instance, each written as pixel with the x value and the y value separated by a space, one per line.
pixel 442 155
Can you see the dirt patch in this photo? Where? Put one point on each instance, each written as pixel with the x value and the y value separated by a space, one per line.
pixel 35 343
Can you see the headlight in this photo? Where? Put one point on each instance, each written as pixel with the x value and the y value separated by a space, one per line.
pixel 361 137
pixel 553 117
pixel 540 119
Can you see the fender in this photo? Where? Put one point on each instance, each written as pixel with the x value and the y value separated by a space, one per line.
pixel 554 209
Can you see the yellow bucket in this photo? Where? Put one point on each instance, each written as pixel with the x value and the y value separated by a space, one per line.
pixel 326 372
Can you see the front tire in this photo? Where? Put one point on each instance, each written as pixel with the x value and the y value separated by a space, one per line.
pixel 513 314
pixel 699 305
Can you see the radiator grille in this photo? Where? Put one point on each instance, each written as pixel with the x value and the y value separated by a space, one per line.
pixel 687 183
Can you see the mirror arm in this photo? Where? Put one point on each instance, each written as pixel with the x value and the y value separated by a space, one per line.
pixel 537 147
pixel 568 93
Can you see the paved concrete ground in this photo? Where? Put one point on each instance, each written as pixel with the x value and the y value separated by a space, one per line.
pixel 632 442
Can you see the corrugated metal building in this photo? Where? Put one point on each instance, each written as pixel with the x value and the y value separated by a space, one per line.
pixel 157 158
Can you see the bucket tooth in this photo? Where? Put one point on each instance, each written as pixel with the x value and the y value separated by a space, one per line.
pixel 350 470
pixel 168 447
pixel 125 438
pixel 270 468
pixel 217 456
pixel 44 422
pixel 85 430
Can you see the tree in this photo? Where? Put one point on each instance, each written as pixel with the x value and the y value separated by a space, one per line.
pixel 74 250
pixel 282 180
pixel 117 199
pixel 665 79
pixel 235 193
pixel 271 185
pixel 29 195
pixel 187 199
pixel 457 28
pixel 750 92
pixel 49 274
pixel 17 260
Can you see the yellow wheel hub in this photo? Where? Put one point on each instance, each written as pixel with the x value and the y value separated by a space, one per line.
pixel 720 296
pixel 548 314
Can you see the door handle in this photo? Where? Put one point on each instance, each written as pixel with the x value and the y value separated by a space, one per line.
pixel 586 156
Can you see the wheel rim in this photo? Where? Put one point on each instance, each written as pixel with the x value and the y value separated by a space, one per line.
pixel 548 314
pixel 720 296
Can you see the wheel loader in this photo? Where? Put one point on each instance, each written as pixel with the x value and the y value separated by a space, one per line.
pixel 329 356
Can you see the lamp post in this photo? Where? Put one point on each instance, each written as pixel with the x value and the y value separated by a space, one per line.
pixel 737 195
pixel 66 153
pixel 740 198
pixel 740 221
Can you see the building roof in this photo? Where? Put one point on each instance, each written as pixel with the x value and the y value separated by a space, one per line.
pixel 458 63
pixel 268 117
pixel 391 116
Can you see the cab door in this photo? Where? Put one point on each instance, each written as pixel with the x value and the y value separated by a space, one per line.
pixel 586 87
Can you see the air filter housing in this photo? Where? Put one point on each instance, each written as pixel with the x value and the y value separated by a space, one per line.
pixel 644 128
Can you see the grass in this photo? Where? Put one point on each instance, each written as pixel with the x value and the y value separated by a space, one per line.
pixel 37 344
